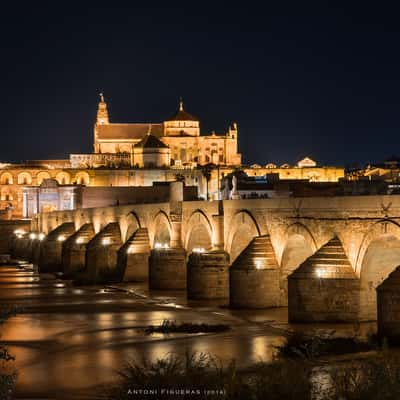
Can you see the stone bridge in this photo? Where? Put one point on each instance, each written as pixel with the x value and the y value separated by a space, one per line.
pixel 323 257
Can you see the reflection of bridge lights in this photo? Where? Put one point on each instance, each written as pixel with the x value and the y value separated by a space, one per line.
pixel 41 236
pixel 61 238
pixel 106 241
pixel 258 264
pixel 79 240
pixel 198 250
pixel 319 272
pixel 32 236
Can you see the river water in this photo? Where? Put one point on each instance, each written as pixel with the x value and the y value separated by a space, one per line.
pixel 68 341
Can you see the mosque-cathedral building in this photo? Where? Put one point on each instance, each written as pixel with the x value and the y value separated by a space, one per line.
pixel 140 154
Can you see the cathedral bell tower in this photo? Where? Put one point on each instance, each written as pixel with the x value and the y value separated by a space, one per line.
pixel 102 112
pixel 102 119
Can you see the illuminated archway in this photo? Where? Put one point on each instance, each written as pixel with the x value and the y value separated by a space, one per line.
pixel 161 230
pixel 199 232
pixel 243 228
pixel 41 176
pixel 379 255
pixel 63 178
pixel 6 179
pixel 299 245
pixel 24 178
pixel 82 178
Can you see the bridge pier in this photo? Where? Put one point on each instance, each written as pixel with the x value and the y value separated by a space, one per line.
pixel 50 258
pixel 102 255
pixel 167 269
pixel 208 275
pixel 35 253
pixel 74 251
pixel 254 276
pixel 133 257
pixel 324 287
pixel 388 299
pixel 167 266
pixel 21 248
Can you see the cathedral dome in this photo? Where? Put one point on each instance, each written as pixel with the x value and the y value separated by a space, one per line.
pixel 182 115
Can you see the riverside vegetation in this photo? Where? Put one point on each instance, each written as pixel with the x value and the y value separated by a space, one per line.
pixel 372 372
pixel 7 377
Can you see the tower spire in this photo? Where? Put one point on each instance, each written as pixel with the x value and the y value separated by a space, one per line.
pixel 180 104
pixel 102 112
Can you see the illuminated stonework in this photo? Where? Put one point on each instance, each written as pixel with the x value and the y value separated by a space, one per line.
pixel 181 133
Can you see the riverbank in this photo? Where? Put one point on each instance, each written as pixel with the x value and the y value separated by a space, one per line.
pixel 67 340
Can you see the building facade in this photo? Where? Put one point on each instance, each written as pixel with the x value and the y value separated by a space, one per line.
pixel 181 133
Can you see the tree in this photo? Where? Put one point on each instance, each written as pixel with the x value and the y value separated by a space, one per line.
pixel 206 171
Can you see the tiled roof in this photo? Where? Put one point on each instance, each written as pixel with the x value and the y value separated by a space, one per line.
pixel 128 131
pixel 150 141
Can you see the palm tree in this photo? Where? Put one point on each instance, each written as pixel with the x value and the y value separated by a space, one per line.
pixel 206 170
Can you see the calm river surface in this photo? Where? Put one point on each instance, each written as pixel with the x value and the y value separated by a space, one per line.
pixel 69 340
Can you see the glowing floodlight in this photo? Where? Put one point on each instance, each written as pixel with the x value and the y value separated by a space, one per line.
pixel 79 240
pixel 41 236
pixel 198 250
pixel 106 241
pixel 166 246
pixel 158 245
pixel 61 238
pixel 32 236
pixel 258 264
pixel 319 272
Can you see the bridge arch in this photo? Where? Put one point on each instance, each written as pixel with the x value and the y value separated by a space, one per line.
pixel 161 229
pixel 378 256
pixel 129 224
pixel 199 232
pixel 298 244
pixel 243 228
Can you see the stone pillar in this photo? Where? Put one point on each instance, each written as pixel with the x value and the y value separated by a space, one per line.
pixel 254 276
pixel 167 268
pixel 36 251
pixel 388 299
pixel 175 201
pixel 133 257
pixel 324 287
pixel 218 240
pixel 102 255
pixel 208 275
pixel 74 251
pixel 25 204
pixel 50 259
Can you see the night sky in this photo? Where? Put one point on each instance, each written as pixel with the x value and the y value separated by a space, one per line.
pixel 321 81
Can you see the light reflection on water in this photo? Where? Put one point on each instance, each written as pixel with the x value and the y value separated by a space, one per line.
pixel 63 348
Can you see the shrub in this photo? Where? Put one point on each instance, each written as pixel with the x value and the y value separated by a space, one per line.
pixel 168 326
